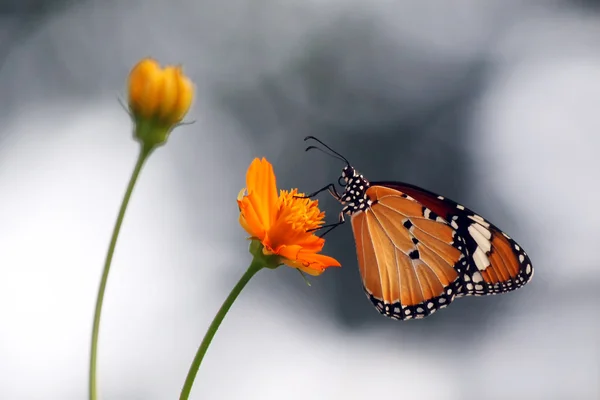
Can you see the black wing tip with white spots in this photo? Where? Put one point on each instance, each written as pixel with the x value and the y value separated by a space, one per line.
pixel 473 285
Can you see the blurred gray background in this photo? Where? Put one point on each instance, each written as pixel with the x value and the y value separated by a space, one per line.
pixel 494 103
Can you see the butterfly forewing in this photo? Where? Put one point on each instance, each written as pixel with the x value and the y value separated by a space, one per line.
pixel 410 259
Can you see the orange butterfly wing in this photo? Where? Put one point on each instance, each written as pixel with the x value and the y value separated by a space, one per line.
pixel 410 264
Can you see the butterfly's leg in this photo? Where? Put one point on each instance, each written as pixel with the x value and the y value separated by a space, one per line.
pixel 336 195
pixel 330 188
pixel 331 227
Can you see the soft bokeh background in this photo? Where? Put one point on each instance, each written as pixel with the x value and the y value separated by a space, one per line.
pixel 494 103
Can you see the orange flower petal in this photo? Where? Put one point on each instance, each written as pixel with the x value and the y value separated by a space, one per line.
pixel 298 257
pixel 312 263
pixel 144 80
pixel 289 252
pixel 248 214
pixel 312 243
pixel 316 258
pixel 186 95
pixel 310 269
pixel 245 225
pixel 168 93
pixel 262 191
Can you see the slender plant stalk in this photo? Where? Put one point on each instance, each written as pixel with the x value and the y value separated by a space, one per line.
pixel 144 153
pixel 254 267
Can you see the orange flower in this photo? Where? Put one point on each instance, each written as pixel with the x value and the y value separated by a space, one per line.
pixel 159 98
pixel 162 93
pixel 282 223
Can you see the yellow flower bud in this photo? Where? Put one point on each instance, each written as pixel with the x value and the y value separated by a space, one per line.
pixel 159 98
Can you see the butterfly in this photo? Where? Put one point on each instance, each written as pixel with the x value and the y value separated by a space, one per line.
pixel 418 251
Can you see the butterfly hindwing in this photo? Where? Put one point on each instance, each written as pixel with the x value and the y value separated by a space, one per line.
pixel 496 263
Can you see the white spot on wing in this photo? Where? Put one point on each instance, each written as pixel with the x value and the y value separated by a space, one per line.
pixel 479 220
pixel 481 260
pixel 460 207
pixel 426 213
pixel 484 231
pixel 477 277
pixel 482 242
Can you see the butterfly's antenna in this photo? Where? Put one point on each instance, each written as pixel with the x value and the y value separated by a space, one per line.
pixel 335 153
pixel 329 154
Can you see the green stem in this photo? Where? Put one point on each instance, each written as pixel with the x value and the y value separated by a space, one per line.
pixel 144 153
pixel 254 267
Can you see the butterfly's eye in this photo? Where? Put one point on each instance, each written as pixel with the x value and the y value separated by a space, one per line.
pixel 342 181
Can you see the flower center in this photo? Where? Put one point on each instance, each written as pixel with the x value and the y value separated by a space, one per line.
pixel 301 214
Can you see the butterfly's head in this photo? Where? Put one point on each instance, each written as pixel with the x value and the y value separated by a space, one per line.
pixel 348 172
pixel 354 198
